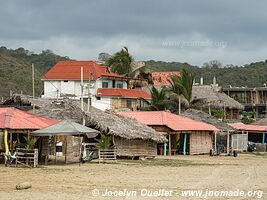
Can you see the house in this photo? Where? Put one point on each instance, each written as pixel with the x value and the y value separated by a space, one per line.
pixel 212 97
pixel 64 81
pixel 162 78
pixel 185 136
pixel 16 124
pixel 253 99
pixel 225 134
pixel 255 133
pixel 129 138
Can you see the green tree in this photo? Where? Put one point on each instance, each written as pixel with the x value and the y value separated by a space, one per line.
pixel 104 142
pixel 121 62
pixel 158 98
pixel 182 85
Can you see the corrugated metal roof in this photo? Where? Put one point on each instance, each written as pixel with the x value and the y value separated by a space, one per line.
pixel 126 93
pixel 71 70
pixel 12 118
pixel 249 127
pixel 173 121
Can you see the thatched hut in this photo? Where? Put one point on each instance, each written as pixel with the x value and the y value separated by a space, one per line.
pixel 211 96
pixel 129 137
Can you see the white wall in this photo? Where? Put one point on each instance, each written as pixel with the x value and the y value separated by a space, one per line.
pixel 103 104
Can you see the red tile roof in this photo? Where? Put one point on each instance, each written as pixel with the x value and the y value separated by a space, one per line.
pixel 119 92
pixel 12 118
pixel 161 78
pixel 71 70
pixel 173 121
pixel 249 127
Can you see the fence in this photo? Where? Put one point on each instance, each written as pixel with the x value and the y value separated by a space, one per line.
pixel 27 157
pixel 106 154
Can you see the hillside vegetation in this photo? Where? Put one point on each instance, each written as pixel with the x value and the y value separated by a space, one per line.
pixel 16 71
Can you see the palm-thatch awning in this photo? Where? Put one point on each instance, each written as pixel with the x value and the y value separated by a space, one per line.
pixel 212 95
pixel 261 122
pixel 204 117
pixel 105 122
pixel 66 127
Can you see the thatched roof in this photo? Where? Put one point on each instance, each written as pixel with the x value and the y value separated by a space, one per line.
pixel 212 95
pixel 204 117
pixel 108 123
pixel 261 122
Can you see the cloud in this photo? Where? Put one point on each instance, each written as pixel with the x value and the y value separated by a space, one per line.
pixel 171 30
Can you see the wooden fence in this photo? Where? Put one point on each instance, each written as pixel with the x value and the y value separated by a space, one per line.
pixel 107 155
pixel 27 157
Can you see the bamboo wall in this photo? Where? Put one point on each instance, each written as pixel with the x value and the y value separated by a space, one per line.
pixel 200 142
pixel 135 147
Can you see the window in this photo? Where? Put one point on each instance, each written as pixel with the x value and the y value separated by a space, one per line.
pixel 104 84
pixel 66 81
pixel 129 103
pixel 98 98
pixel 119 85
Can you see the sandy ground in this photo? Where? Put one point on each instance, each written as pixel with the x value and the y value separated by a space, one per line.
pixel 176 174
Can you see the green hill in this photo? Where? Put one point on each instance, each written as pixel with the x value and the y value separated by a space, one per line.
pixel 16 71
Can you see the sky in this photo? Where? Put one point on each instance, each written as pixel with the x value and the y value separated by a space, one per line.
pixel 192 31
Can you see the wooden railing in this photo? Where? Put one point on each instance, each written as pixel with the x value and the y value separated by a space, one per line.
pixel 27 157
pixel 106 154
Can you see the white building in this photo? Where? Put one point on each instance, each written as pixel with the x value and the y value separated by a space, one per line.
pixel 64 81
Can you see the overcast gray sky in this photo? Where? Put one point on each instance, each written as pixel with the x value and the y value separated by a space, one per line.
pixel 193 31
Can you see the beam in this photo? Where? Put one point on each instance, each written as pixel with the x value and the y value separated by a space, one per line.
pixel 6 141
pixel 263 138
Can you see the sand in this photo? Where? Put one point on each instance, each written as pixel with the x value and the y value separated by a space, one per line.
pixel 246 172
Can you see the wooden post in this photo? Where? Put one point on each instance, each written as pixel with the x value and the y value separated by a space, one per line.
pixel 79 150
pixel 228 142
pixel 170 148
pixel 184 147
pixel 66 146
pixel 165 149
pixel 82 87
pixel 33 86
pixel 215 143
pixel 55 149
pixel 263 138
pixel 179 110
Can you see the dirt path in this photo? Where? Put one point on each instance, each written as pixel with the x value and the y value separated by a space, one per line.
pixel 246 172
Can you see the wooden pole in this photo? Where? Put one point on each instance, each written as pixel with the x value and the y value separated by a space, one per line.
pixel 228 142
pixel 179 110
pixel 89 92
pixel 170 144
pixel 33 86
pixel 215 143
pixel 82 87
pixel 66 146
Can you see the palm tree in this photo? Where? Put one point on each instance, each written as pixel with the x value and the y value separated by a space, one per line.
pixel 158 98
pixel 121 62
pixel 182 86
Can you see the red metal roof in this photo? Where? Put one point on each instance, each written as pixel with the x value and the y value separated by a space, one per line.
pixel 119 92
pixel 71 70
pixel 161 78
pixel 12 118
pixel 173 121
pixel 249 127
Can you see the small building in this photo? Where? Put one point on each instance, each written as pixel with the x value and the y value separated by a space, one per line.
pixel 129 137
pixel 15 125
pixel 253 99
pixel 64 81
pixel 212 97
pixel 186 136
pixel 119 98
